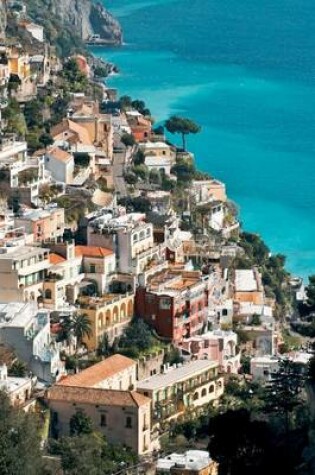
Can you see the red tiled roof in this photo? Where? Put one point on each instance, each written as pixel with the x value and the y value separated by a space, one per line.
pixel 90 377
pixel 92 251
pixel 56 259
pixel 59 154
pixel 94 396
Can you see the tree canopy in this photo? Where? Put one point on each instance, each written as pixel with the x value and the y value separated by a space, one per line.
pixel 20 452
pixel 182 126
pixel 91 453
pixel 80 424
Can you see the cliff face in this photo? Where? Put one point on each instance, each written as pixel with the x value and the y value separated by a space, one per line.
pixel 3 18
pixel 87 18
pixel 68 23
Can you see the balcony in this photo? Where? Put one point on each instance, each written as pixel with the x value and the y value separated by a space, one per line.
pixel 33 268
pixel 53 277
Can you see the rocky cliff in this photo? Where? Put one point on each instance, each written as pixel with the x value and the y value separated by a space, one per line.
pixel 87 18
pixel 3 18
pixel 67 21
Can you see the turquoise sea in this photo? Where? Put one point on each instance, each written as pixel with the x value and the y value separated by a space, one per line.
pixel 245 70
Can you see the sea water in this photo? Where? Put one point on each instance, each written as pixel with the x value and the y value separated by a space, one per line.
pixel 245 71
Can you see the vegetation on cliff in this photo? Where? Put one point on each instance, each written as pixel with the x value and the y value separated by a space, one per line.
pixel 71 22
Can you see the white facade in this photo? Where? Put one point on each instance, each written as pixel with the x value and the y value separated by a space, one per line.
pixel 130 237
pixel 27 330
pixel 36 31
pixel 161 164
pixel 61 170
pixel 263 367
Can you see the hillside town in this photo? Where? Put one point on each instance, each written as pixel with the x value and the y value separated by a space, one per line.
pixel 131 298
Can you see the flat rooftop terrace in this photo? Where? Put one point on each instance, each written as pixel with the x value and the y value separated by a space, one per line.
pixel 175 375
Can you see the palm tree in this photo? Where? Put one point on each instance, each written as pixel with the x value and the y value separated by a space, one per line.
pixel 18 369
pixel 81 327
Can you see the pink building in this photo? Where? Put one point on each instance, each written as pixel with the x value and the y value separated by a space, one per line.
pixel 217 345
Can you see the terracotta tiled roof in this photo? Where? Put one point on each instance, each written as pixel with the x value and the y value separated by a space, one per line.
pixel 90 377
pixel 59 154
pixel 56 259
pixel 67 125
pixel 92 251
pixel 93 396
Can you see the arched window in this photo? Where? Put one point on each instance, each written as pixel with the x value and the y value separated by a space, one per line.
pixel 211 388
pixel 100 320
pixel 203 392
pixel 48 294
pixel 196 396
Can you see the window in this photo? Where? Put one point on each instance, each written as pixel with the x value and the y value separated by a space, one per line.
pixel 203 392
pixel 92 268
pixel 149 298
pixel 165 303
pixel 211 389
pixel 128 422
pixel 103 420
pixel 48 294
pixel 196 396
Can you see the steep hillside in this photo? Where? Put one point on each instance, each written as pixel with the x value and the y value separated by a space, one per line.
pixel 69 22
pixel 3 18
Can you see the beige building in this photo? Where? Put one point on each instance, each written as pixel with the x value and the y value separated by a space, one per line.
pixel 123 416
pixel 98 126
pixel 22 273
pixel 181 389
pixel 205 191
pixel 116 372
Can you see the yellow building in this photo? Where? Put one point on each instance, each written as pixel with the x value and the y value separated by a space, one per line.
pixel 19 63
pixel 109 315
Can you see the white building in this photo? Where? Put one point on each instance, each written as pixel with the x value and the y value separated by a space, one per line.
pixel 27 330
pixel 191 462
pixel 130 237
pixel 18 390
pixel 60 164
pixel 264 367
pixel 158 156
